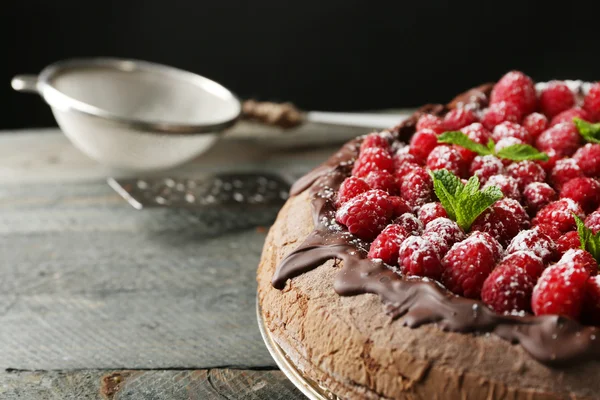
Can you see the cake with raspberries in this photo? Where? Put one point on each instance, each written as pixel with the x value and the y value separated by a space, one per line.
pixel 454 256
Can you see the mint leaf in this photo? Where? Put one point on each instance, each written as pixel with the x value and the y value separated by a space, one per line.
pixel 590 132
pixel 446 185
pixel 583 231
pixel 463 203
pixel 462 140
pixel 473 201
pixel 520 152
pixel 589 241
pixel 516 152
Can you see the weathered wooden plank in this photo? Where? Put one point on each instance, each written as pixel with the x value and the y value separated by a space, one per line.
pixel 253 385
pixel 147 385
pixel 89 282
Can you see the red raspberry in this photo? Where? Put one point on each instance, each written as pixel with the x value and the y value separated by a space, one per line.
pixel 556 98
pixel 517 88
pixel 376 139
pixel 553 158
pixel 591 304
pixel 403 171
pixel 508 289
pixel 500 112
pixel 366 214
pixel 399 206
pixel 373 159
pixel 564 170
pixel 508 185
pixel 535 123
pixel 503 220
pixel 584 191
pixel 402 158
pixel 493 244
pixel 550 230
pixel 467 265
pixel 486 166
pixel 446 229
pixel 526 260
pixel 588 159
pixel 431 211
pixel 563 138
pixel 581 257
pixel 459 118
pixel 382 180
pixel 511 130
pixel 568 241
pixel 537 195
pixel 477 133
pixel 526 172
pixel 560 290
pixel 422 143
pixel 593 221
pixel 567 116
pixel 536 242
pixel 410 223
pixel 417 188
pixel 559 214
pixel 440 246
pixel 350 188
pixel 430 121
pixel 418 256
pixel 591 102
pixel 387 244
pixel 446 157
pixel 443 238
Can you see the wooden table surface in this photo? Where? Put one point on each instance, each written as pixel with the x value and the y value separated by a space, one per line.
pixel 99 300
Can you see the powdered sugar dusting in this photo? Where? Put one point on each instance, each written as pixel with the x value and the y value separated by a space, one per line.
pixel 485 166
pixel 575 86
pixel 507 184
pixel 539 192
pixel 510 130
pixel 534 241
pixel 409 222
pixel 447 229
pixel 569 256
pixel 508 141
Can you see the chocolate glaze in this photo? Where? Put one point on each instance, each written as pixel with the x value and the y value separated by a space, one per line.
pixel 552 340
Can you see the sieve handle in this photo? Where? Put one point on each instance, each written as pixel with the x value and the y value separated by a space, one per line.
pixel 365 120
pixel 25 83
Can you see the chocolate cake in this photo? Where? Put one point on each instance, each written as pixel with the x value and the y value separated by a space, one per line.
pixel 391 274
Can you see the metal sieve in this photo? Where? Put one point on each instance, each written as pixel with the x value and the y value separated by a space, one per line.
pixel 132 114
pixel 142 116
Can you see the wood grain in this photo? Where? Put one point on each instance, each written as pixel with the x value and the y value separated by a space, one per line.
pixel 147 385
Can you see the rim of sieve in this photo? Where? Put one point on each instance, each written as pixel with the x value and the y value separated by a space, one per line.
pixel 43 85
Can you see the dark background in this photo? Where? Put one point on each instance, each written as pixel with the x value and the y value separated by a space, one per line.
pixel 322 55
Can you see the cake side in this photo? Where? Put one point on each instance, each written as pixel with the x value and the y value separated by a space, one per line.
pixel 353 348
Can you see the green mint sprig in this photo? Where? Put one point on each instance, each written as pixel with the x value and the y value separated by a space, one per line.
pixel 515 152
pixel 589 132
pixel 463 203
pixel 590 241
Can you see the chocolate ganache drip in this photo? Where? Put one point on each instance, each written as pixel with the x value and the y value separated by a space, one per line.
pixel 553 340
